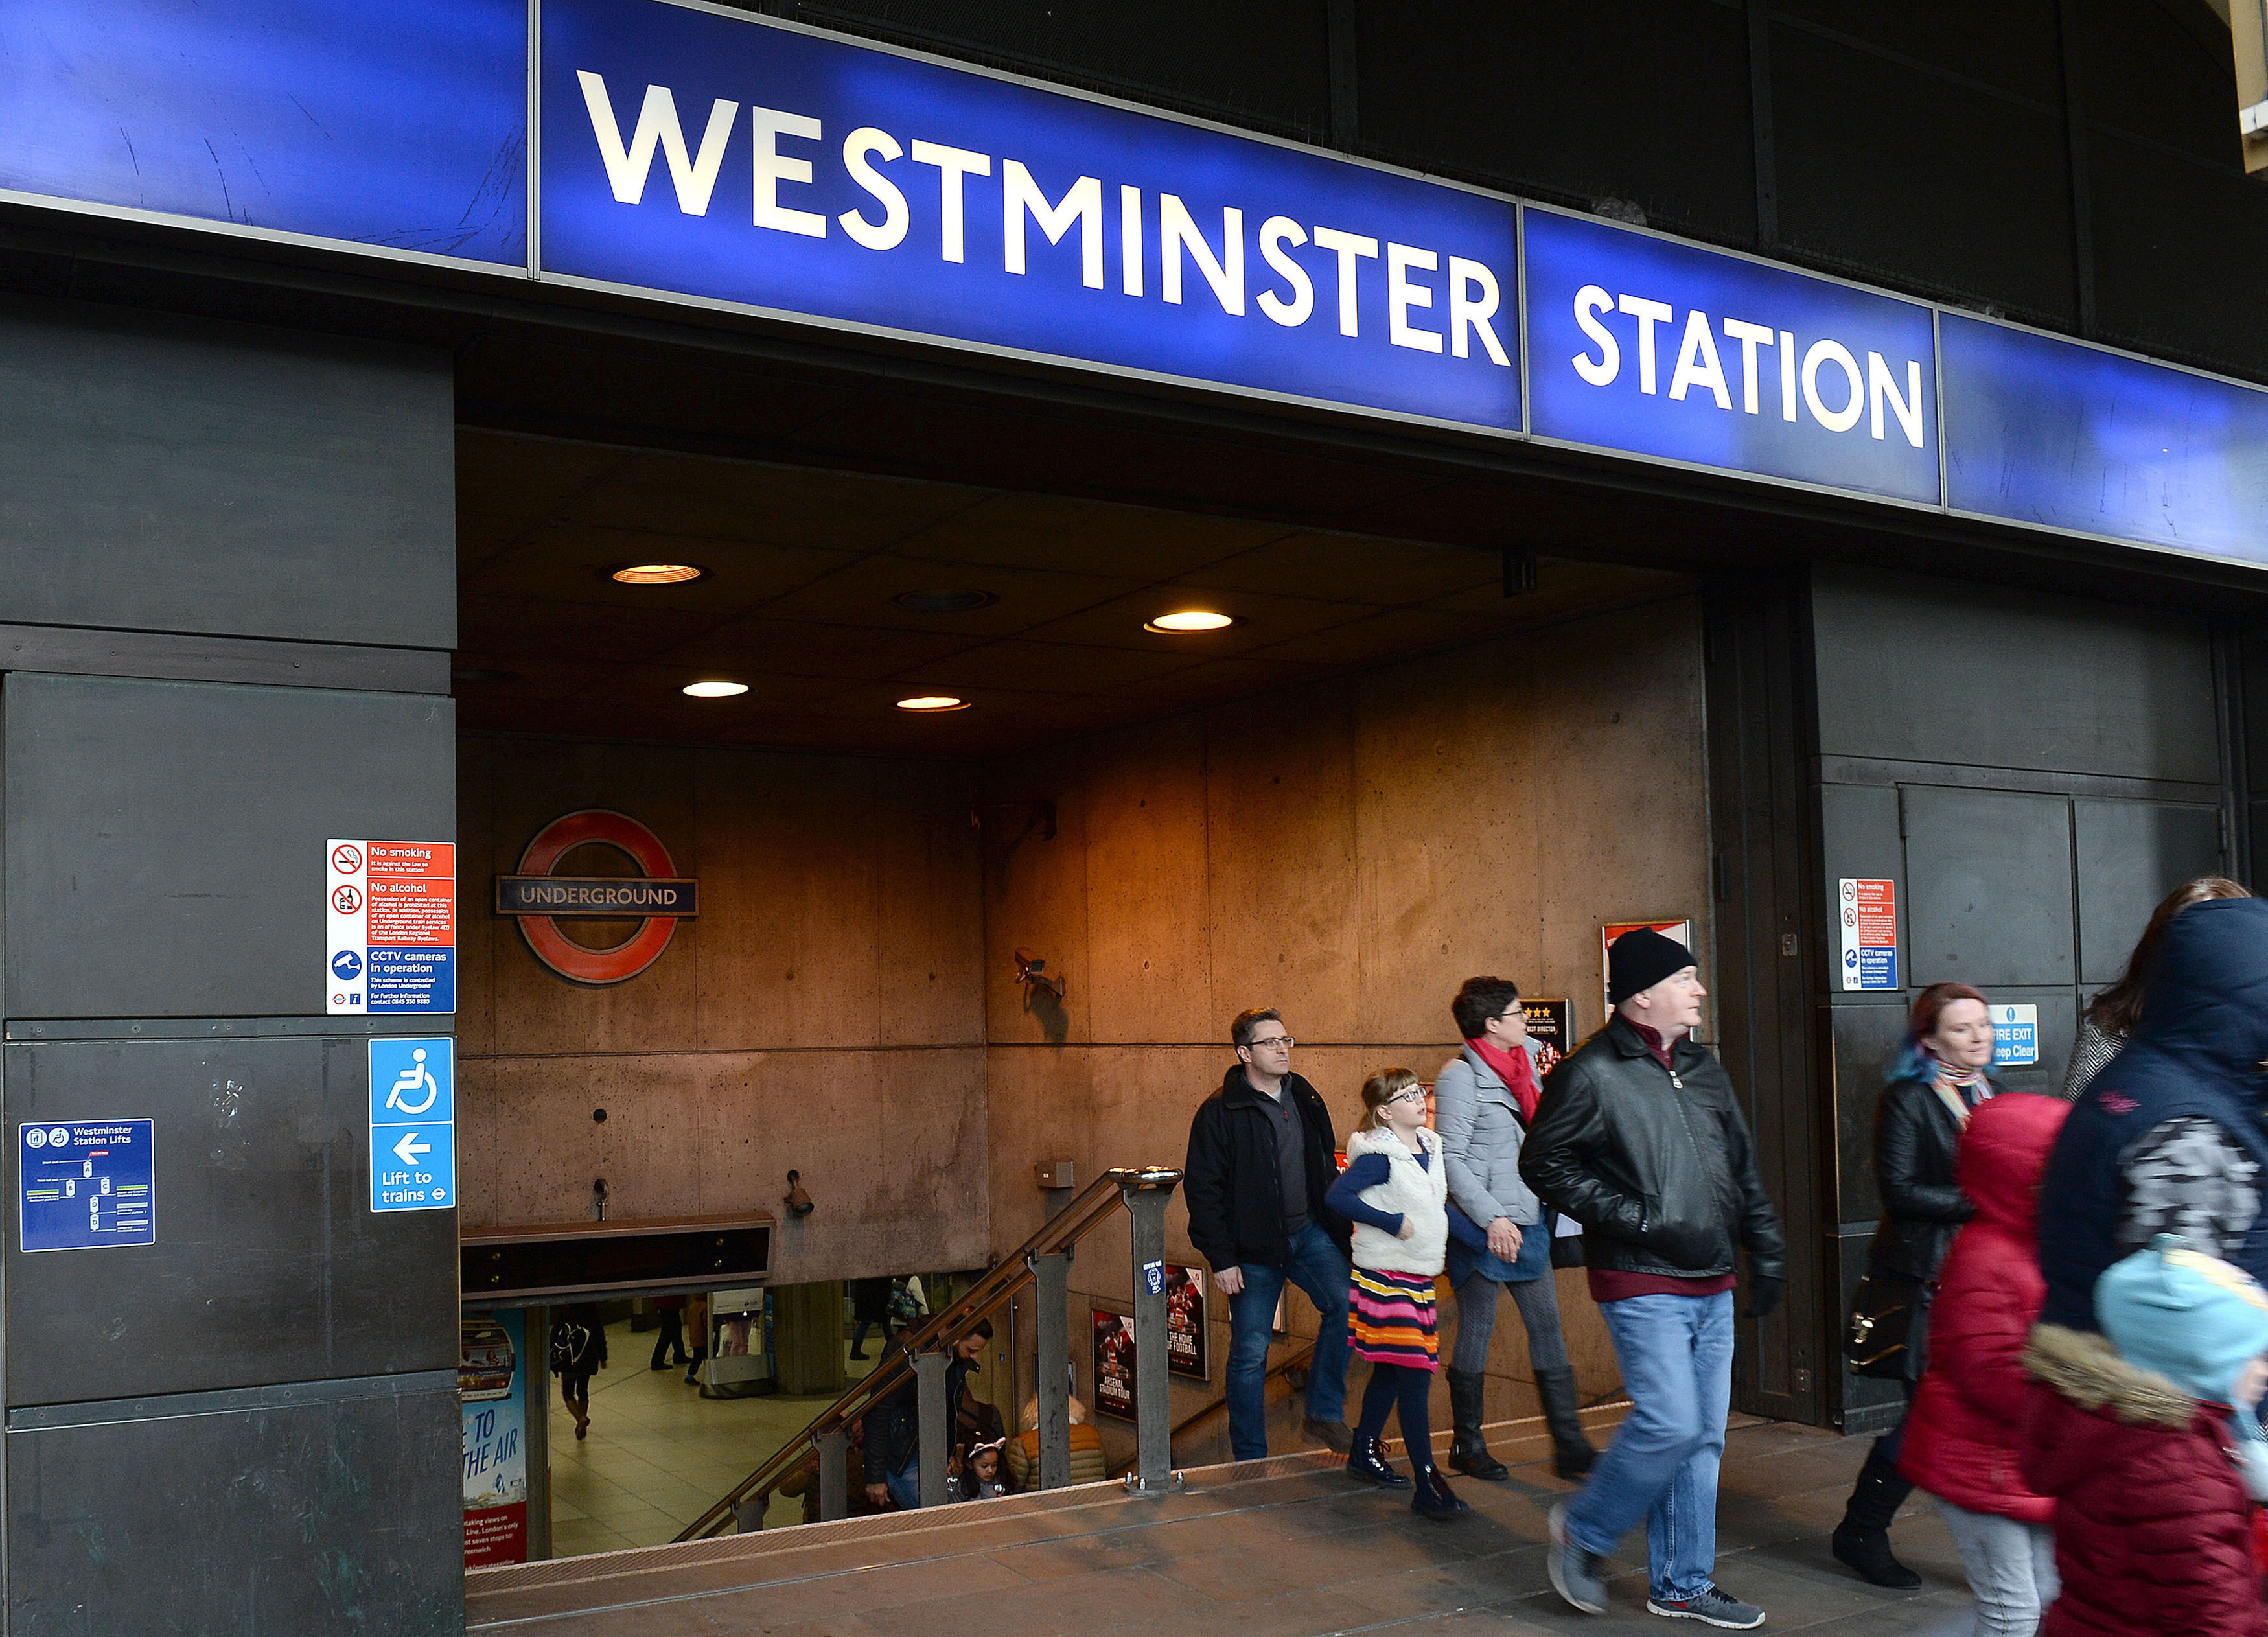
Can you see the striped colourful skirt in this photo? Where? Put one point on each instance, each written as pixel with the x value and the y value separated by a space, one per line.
pixel 1390 1318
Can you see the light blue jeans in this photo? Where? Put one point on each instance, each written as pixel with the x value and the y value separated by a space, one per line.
pixel 1676 1358
pixel 1319 1269
pixel 905 1483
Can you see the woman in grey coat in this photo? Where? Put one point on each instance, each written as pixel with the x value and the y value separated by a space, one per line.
pixel 1483 1101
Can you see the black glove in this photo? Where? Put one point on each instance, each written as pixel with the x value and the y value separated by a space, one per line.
pixel 1764 1297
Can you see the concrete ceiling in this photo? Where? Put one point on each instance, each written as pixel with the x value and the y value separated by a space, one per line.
pixel 804 563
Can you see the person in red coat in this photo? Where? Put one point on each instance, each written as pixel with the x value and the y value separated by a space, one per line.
pixel 1965 1433
pixel 2137 1435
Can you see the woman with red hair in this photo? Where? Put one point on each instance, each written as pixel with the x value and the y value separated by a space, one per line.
pixel 1936 1082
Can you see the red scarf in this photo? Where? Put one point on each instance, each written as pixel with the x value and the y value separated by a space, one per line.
pixel 1516 1072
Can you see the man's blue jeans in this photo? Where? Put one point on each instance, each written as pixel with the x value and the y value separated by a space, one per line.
pixel 1677 1357
pixel 1319 1269
pixel 905 1483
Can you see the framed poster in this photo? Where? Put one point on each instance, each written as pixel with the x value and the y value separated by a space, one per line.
pixel 1680 932
pixel 1185 1323
pixel 1113 1363
pixel 1551 1026
pixel 492 1390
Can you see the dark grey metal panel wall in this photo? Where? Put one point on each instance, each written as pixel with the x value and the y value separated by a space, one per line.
pixel 103 1543
pixel 170 474
pixel 1919 670
pixel 173 820
pixel 2034 774
pixel 250 1425
pixel 269 1264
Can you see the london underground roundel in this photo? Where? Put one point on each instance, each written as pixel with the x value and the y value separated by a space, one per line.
pixel 658 899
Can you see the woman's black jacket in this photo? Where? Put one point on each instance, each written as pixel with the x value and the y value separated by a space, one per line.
pixel 1916 1137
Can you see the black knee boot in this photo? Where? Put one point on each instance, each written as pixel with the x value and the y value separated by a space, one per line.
pixel 1468 1450
pixel 1862 1540
pixel 1572 1454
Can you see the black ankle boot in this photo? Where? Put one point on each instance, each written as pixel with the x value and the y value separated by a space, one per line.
pixel 1431 1498
pixel 1366 1466
pixel 1861 1541
pixel 1572 1454
pixel 1468 1450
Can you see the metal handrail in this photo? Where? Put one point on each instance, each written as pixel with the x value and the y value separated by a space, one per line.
pixel 944 1327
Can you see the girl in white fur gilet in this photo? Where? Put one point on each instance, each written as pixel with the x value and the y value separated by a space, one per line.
pixel 1395 1193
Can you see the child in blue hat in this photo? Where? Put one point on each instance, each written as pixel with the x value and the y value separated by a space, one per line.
pixel 2148 1439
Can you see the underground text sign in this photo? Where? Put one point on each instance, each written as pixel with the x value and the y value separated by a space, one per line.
pixel 413 1124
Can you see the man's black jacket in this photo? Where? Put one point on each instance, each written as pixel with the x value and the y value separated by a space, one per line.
pixel 1656 1163
pixel 1231 1179
pixel 893 1426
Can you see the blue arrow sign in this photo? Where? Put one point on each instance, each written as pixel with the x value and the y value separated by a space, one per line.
pixel 413 1131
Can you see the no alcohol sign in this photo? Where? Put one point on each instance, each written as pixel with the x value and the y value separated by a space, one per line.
pixel 391 910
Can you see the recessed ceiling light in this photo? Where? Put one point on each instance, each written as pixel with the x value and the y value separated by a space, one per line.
pixel 715 690
pixel 945 601
pixel 657 574
pixel 1189 620
pixel 933 702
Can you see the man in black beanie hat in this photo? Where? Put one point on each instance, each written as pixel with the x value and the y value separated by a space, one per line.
pixel 1639 1138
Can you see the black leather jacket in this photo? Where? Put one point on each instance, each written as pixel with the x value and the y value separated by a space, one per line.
pixel 1657 1164
pixel 1914 1139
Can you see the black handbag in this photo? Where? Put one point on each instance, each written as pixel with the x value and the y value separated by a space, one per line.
pixel 1882 1329
pixel 1567 1251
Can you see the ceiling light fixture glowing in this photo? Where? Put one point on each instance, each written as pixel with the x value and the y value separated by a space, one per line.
pixel 657 574
pixel 1189 620
pixel 933 702
pixel 715 690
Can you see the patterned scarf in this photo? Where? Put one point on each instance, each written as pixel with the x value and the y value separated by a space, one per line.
pixel 1961 1090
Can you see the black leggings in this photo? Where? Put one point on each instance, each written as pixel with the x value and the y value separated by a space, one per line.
pixel 1404 1389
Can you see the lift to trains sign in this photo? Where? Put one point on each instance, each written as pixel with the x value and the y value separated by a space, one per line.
pixel 390 908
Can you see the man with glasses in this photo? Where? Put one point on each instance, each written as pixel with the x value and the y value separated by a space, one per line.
pixel 1261 1156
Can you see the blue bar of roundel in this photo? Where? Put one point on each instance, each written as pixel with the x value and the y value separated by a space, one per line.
pixel 1567 254
pixel 2041 431
pixel 394 122
pixel 723 255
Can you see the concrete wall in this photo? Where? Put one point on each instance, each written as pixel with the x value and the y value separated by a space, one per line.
pixel 1348 851
pixel 823 1013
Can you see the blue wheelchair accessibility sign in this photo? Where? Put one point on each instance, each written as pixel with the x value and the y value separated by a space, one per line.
pixel 413 1124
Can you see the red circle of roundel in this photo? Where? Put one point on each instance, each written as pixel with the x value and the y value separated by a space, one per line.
pixel 571 960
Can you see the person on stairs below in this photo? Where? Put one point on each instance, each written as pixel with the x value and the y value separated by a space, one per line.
pixel 1484 1101
pixel 1395 1191
pixel 1935 1082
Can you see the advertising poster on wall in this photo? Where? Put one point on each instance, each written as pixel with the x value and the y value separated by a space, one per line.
pixel 1680 932
pixel 1551 1026
pixel 1113 1363
pixel 492 1388
pixel 1185 1323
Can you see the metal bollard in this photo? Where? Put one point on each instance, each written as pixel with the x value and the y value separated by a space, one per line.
pixel 1050 1379
pixel 936 1424
pixel 1145 1193
pixel 834 1474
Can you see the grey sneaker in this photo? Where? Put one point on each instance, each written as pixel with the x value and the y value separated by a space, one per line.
pixel 1575 1571
pixel 1712 1607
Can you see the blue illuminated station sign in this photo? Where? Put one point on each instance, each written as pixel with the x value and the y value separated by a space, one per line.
pixel 685 153
pixel 899 194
